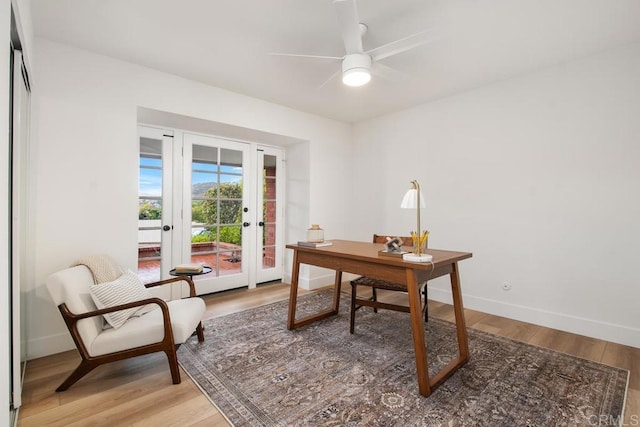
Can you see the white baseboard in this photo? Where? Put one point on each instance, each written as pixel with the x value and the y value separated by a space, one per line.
pixel 578 325
pixel 316 282
pixel 47 346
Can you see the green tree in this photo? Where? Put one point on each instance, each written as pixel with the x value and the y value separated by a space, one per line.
pixel 230 200
pixel 223 205
pixel 148 210
pixel 231 234
pixel 197 215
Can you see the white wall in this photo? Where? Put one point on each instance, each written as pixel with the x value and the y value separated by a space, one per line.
pixel 537 176
pixel 86 164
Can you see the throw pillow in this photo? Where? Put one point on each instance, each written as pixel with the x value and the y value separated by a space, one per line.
pixel 126 288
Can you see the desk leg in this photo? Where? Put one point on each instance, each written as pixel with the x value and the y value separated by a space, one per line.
pixel 293 292
pixel 427 384
pixel 336 291
pixel 292 323
pixel 458 308
pixel 461 330
pixel 417 328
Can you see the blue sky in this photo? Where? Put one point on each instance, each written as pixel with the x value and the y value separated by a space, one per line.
pixel 150 183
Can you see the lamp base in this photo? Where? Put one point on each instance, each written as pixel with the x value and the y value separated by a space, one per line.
pixel 417 258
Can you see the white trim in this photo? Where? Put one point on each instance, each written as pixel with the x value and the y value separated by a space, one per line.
pixel 578 325
pixel 316 282
pixel 50 344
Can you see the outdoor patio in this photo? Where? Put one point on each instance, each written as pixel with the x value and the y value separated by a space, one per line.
pixel 223 263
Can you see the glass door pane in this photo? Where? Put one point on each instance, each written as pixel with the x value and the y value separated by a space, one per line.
pixel 154 200
pixel 270 214
pixel 216 174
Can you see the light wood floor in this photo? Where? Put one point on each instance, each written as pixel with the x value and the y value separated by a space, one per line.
pixel 138 392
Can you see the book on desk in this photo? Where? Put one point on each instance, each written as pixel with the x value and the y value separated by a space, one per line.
pixel 395 254
pixel 315 244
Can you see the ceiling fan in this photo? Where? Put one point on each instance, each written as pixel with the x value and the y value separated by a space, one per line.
pixel 358 65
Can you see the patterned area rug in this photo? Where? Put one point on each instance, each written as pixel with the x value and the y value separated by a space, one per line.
pixel 259 373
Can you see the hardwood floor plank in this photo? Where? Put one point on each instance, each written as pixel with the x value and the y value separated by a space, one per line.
pixel 216 420
pixel 87 403
pixel 514 329
pixel 31 407
pixel 127 410
pixel 138 392
pixel 190 412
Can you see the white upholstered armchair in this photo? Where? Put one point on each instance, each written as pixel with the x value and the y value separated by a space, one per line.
pixel 150 324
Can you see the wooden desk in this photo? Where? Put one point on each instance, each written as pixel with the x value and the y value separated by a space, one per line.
pixel 362 258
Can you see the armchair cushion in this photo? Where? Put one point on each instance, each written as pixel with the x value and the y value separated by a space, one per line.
pixel 126 288
pixel 147 329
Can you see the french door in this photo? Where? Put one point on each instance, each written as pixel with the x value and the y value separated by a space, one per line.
pixel 155 206
pixel 217 210
pixel 270 214
pixel 209 201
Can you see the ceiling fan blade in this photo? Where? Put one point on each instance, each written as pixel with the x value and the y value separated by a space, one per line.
pixel 388 73
pixel 329 79
pixel 402 45
pixel 333 58
pixel 349 25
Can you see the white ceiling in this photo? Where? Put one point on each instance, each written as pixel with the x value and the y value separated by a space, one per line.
pixel 226 43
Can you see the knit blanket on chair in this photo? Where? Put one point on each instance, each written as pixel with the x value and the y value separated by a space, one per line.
pixel 103 267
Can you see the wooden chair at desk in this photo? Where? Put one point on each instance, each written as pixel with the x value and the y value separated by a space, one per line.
pixel 375 284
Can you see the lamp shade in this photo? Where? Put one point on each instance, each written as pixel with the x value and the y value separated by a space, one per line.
pixel 410 199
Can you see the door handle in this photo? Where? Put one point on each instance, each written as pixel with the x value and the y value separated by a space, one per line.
pixel 166 228
pixel 246 224
pixel 261 224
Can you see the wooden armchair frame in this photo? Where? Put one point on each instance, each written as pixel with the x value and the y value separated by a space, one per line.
pixel 167 345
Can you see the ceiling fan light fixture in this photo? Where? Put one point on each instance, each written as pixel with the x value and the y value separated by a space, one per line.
pixel 356 69
pixel 356 77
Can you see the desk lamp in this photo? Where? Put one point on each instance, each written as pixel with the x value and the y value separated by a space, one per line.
pixel 415 200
